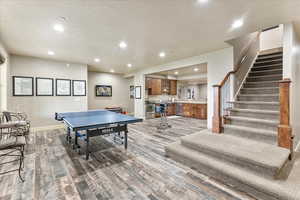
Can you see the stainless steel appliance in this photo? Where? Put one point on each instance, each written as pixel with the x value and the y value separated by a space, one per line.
pixel 150 110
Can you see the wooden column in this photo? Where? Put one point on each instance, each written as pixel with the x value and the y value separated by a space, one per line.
pixel 285 138
pixel 217 120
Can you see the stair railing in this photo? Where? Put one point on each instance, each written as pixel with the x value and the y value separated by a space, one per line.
pixel 222 98
pixel 285 137
pixel 231 84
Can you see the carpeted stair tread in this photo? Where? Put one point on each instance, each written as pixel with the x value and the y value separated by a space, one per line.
pixel 255 102
pixel 266 66
pixel 267 61
pixel 231 174
pixel 253 130
pixel 275 112
pixel 262 82
pixel 253 120
pixel 261 95
pixel 271 70
pixel 261 88
pixel 241 150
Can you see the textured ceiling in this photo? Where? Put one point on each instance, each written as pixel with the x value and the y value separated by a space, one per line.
pixel 94 28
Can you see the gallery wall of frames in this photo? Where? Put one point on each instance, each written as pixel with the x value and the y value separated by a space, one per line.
pixel 42 86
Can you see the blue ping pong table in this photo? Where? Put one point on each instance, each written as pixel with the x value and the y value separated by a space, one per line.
pixel 93 123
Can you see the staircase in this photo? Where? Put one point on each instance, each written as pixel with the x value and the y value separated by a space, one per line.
pixel 246 156
pixel 255 113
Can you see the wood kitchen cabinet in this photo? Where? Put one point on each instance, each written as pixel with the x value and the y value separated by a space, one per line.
pixel 173 87
pixel 198 111
pixel 157 86
pixel 154 86
pixel 187 110
pixel 171 109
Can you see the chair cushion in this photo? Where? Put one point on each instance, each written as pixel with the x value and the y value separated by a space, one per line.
pixel 12 142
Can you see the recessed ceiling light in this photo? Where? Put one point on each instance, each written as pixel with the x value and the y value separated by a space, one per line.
pixel 112 71
pixel 129 65
pixel 196 69
pixel 237 23
pixel 123 45
pixel 51 53
pixel 59 28
pixel 162 54
pixel 97 59
pixel 176 72
pixel 202 1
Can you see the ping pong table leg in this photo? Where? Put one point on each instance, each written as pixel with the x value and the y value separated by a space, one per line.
pixel 87 153
pixel 68 138
pixel 125 137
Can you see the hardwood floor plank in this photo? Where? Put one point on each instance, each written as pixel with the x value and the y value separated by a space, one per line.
pixel 53 170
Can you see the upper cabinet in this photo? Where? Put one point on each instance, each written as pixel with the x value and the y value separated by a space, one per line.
pixel 158 86
pixel 173 87
pixel 154 86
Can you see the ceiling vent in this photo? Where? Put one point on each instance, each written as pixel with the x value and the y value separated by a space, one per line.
pixel 2 59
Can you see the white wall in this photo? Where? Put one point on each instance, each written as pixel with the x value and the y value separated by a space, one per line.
pixel 120 91
pixel 241 46
pixel 271 39
pixel 291 70
pixel 41 109
pixel 219 63
pixel 4 73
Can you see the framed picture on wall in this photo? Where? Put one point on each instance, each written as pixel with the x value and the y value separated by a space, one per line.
pixel 131 92
pixel 79 87
pixel 63 87
pixel 22 86
pixel 44 86
pixel 138 92
pixel 103 90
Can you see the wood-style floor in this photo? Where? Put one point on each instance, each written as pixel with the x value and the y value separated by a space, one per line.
pixel 54 171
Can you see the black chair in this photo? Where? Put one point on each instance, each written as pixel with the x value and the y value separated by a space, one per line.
pixel 22 127
pixel 11 146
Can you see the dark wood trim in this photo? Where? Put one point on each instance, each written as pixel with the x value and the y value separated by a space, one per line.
pixel 36 86
pixel 84 87
pixel 13 85
pixel 61 79
pixel 217 120
pixel 103 86
pixel 285 137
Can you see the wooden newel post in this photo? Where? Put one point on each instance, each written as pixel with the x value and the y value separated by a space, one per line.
pixel 217 120
pixel 285 138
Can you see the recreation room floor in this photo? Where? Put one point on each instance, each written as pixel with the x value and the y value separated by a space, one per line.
pixel 54 171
